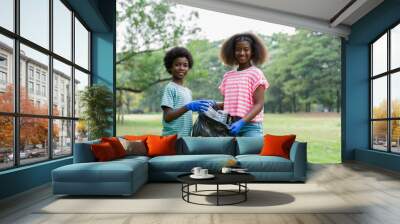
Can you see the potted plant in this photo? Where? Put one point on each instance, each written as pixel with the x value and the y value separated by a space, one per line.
pixel 96 102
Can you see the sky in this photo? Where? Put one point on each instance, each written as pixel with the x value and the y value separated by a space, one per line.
pixel 217 26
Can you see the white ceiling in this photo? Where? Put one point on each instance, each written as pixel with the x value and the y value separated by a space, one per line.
pixel 316 15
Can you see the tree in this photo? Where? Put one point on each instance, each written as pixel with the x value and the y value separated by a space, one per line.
pixel 97 103
pixel 306 68
pixel 151 26
pixel 33 130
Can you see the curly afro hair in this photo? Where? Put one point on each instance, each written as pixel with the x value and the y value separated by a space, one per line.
pixel 259 51
pixel 177 52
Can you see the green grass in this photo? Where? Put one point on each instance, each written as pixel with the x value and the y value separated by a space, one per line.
pixel 321 131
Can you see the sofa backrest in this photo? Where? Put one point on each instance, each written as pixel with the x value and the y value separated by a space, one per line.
pixel 249 145
pixel 83 152
pixel 206 145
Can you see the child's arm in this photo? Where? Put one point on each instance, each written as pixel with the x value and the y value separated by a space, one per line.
pixel 258 99
pixel 171 114
pixel 196 106
pixel 220 105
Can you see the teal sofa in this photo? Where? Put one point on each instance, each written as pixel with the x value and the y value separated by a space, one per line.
pixel 125 176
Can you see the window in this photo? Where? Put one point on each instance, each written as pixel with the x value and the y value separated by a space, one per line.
pixel 62 29
pixel 81 81
pixel 38 89
pixel 6 74
pixel 34 21
pixel 43 90
pixel 7 14
pixel 385 94
pixel 3 61
pixel 30 72
pixel 81 45
pixel 3 71
pixel 30 87
pixel 3 78
pixel 37 74
pixel 62 74
pixel 62 143
pixel 54 125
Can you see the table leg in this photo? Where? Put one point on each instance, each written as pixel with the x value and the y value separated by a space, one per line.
pixel 217 194
pixel 245 193
pixel 188 190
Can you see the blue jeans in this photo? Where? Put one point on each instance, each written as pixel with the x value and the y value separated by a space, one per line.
pixel 251 129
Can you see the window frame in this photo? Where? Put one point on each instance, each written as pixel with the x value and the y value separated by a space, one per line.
pixel 388 74
pixel 16 114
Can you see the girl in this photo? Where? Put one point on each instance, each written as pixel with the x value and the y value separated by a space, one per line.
pixel 243 88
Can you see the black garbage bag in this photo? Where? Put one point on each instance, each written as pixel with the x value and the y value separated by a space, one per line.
pixel 211 123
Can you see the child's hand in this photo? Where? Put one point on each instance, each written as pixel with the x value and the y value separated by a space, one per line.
pixel 236 126
pixel 211 103
pixel 198 105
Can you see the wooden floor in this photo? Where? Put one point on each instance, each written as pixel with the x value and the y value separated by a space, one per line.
pixel 377 188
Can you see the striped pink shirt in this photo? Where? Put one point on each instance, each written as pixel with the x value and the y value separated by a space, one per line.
pixel 238 87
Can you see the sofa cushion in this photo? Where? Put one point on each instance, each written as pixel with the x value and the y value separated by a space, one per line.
pixel 142 138
pixel 112 171
pixel 83 152
pixel 132 158
pixel 206 145
pixel 185 163
pixel 277 145
pixel 161 145
pixel 249 145
pixel 116 145
pixel 136 147
pixel 257 163
pixel 103 152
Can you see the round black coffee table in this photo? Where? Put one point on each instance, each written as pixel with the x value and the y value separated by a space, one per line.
pixel 238 179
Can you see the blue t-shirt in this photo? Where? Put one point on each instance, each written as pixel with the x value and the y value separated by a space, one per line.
pixel 174 97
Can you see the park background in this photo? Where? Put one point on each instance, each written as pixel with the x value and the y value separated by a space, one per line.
pixel 303 71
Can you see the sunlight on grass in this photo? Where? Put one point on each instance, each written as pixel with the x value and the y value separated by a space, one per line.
pixel 321 131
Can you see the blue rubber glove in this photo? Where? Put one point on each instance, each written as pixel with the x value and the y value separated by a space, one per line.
pixel 211 103
pixel 197 105
pixel 235 127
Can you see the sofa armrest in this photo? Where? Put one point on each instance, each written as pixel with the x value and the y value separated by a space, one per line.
pixel 83 152
pixel 298 155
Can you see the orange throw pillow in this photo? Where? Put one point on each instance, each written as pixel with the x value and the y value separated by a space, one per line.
pixel 161 145
pixel 277 145
pixel 116 145
pixel 103 152
pixel 137 137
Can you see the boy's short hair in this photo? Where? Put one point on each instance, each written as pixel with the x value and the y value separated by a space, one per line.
pixel 258 50
pixel 177 52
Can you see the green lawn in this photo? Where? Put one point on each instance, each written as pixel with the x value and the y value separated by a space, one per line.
pixel 321 131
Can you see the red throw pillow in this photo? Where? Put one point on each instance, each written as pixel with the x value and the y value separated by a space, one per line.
pixel 116 145
pixel 277 145
pixel 137 137
pixel 161 145
pixel 103 152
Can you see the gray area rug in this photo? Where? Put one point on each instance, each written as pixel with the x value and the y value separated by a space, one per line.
pixel 166 198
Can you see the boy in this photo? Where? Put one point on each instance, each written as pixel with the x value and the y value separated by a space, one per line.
pixel 177 101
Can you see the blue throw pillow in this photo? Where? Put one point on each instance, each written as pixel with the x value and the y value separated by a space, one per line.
pixel 249 145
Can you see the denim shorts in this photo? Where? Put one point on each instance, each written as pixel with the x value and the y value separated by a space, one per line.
pixel 251 129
